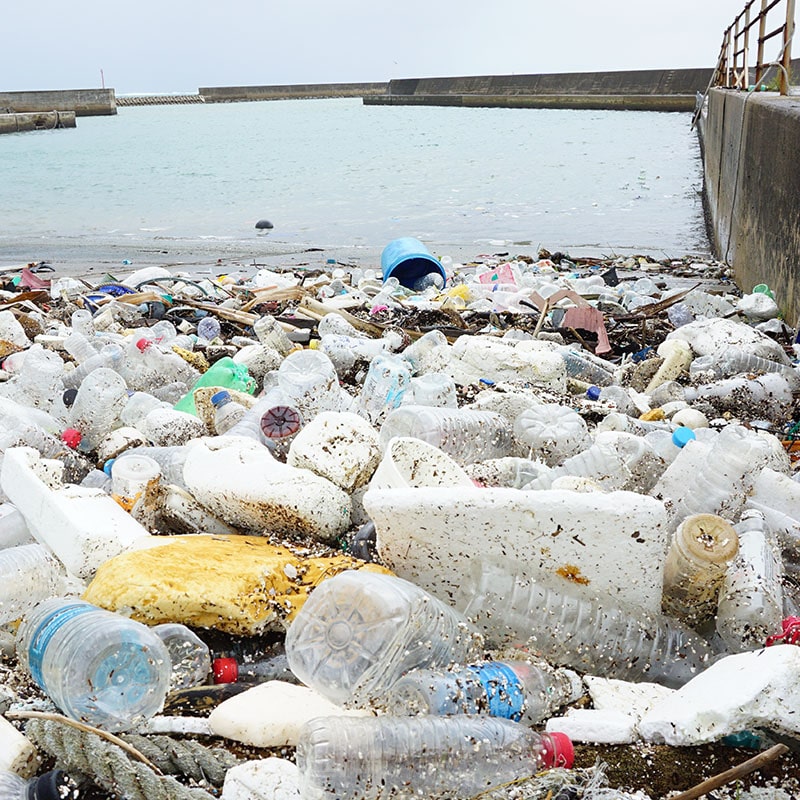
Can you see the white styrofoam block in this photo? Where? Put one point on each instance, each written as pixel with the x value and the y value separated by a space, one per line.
pixel 17 754
pixel 757 688
pixel 265 779
pixel 610 694
pixel 616 541
pixel 595 725
pixel 272 714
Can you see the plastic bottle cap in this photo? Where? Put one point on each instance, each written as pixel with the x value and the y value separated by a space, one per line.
pixel 593 392
pixel 790 633
pixel 682 435
pixel 143 344
pixel 71 437
pixel 220 397
pixel 69 396
pixel 557 750
pixel 52 785
pixel 280 421
pixel 226 670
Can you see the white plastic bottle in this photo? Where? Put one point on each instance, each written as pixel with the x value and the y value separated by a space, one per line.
pixel 98 667
pixel 552 431
pixel 366 758
pixel 309 380
pixel 270 333
pixel 358 632
pixel 464 434
pixel 97 406
pixel 226 412
pixel 751 599
pixel 518 690
pixel 28 574
pixel 566 628
pixel 387 380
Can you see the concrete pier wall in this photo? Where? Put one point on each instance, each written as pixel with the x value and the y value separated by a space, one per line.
pixel 84 102
pixel 232 94
pixel 39 121
pixel 750 145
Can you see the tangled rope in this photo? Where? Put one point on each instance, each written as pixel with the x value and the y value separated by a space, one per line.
pixel 114 767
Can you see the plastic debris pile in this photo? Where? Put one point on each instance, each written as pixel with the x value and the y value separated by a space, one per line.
pixel 414 533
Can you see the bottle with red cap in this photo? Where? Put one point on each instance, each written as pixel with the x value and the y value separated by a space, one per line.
pixel 424 756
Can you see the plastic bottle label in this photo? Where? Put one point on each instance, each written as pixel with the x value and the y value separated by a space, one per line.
pixel 504 692
pixel 45 632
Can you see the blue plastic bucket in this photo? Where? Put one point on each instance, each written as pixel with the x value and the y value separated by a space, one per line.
pixel 407 259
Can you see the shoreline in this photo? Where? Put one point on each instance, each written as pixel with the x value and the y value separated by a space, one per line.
pixel 84 257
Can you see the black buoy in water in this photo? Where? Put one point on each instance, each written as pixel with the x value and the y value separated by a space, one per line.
pixel 264 225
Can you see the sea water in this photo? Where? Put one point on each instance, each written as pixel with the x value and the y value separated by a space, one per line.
pixel 334 172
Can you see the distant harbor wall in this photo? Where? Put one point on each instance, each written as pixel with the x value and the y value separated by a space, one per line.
pixel 657 90
pixel 750 144
pixel 84 102
pixel 36 121
pixel 233 94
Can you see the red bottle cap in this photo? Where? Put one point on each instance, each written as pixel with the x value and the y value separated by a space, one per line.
pixel 557 751
pixel 71 437
pixel 226 670
pixel 143 344
pixel 790 633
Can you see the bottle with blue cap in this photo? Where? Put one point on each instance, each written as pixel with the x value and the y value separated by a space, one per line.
pixel 226 412
pixel 518 690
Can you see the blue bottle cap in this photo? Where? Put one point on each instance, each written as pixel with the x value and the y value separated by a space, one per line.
pixel 220 397
pixel 682 435
pixel 593 392
pixel 108 465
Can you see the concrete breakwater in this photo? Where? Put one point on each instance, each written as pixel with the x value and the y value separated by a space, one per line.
pixel 38 121
pixel 232 94
pixel 752 189
pixel 83 102
pixel 656 90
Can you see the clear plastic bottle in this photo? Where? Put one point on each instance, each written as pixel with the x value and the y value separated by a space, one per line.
pixel 365 758
pixel 344 350
pixel 695 567
pixel 270 333
pixel 189 656
pixel 583 366
pixel 81 321
pixel 111 357
pixel 98 667
pixel 28 575
pixel 387 380
pixel 614 395
pixel 751 599
pixel 14 530
pixel 516 690
pixel 226 412
pixel 464 434
pixel 138 406
pixel 358 632
pixel 568 628
pixel 309 380
pixel 208 329
pixel 432 389
pixel 79 347
pixel 770 395
pixel 553 432
pixel 731 360
pixel 418 353
pixel 97 406
pixel 615 421
pixel 54 785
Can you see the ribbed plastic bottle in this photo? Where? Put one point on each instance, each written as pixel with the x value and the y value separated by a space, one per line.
pixel 358 632
pixel 111 357
pixel 345 350
pixel 594 635
pixel 616 461
pixel 615 421
pixel 190 658
pixel 418 353
pixel 226 412
pixel 29 573
pixel 79 347
pixel 138 406
pixel 82 321
pixel 769 395
pixel 731 360
pixel 553 432
pixel 432 389
pixel 54 785
pixel 96 666
pixel 751 599
pixel 308 378
pixel 387 381
pixel 366 758
pixel 98 404
pixel 583 366
pixel 13 528
pixel 464 434
pixel 518 690
pixel 698 558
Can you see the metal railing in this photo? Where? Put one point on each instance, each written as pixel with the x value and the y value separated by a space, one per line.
pixel 734 69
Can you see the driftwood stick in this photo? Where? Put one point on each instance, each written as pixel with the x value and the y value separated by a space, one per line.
pixel 745 768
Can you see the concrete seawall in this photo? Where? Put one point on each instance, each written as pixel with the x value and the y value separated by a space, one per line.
pixel 752 189
pixel 233 94
pixel 38 121
pixel 84 102
pixel 648 90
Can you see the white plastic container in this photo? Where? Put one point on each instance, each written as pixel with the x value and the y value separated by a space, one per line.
pixel 412 462
pixel 309 380
pixel 610 543
pixel 431 757
pixel 358 632
pixel 97 667
pixel 432 389
pixel 270 333
pixel 552 432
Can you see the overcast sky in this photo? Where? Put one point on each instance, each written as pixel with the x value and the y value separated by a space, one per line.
pixel 179 45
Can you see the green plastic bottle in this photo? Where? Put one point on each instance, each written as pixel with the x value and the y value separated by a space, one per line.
pixel 226 374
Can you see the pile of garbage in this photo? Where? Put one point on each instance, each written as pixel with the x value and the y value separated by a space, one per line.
pixel 419 531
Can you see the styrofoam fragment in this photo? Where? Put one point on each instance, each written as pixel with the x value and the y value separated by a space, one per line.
pixel 266 779
pixel 595 725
